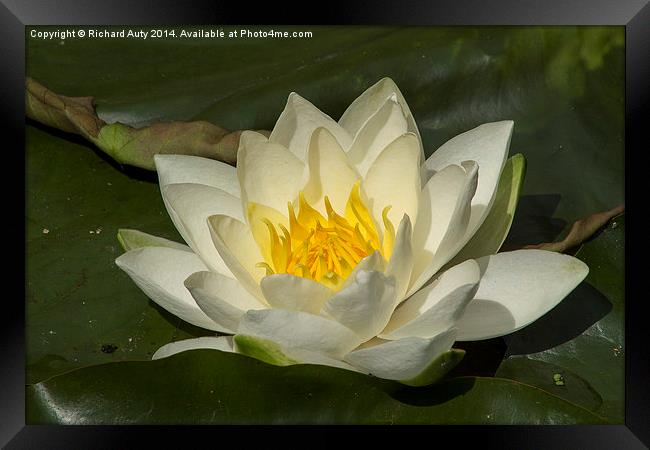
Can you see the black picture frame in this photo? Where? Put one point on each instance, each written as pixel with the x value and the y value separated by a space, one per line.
pixel 16 14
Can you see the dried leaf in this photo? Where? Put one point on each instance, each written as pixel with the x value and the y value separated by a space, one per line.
pixel 580 231
pixel 125 144
pixel 71 114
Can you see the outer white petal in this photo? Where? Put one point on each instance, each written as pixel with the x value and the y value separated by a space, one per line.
pixel 298 121
pixel 402 359
pixel 189 206
pixel 365 305
pixel 132 239
pixel 368 103
pixel 160 272
pixel 437 306
pixel 384 127
pixel 223 343
pixel 235 244
pixel 394 180
pixel 222 299
pixel 295 293
pixel 400 264
pixel 175 169
pixel 330 173
pixel 440 231
pixel 296 329
pixel 516 289
pixel 269 174
pixel 486 144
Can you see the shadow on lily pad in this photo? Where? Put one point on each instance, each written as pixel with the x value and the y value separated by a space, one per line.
pixel 136 173
pixel 534 222
pixel 434 394
pixel 482 358
pixel 569 319
pixel 184 329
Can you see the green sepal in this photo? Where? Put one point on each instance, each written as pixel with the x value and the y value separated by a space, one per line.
pixel 262 349
pixel 133 239
pixel 493 232
pixel 436 369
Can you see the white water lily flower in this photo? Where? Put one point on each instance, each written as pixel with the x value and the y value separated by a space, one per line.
pixel 338 243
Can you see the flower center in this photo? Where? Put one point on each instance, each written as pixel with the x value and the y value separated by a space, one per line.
pixel 324 249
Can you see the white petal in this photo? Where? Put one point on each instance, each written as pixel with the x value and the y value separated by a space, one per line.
pixel 175 169
pixel 223 343
pixel 401 260
pixel 330 173
pixel 384 127
pixel 235 244
pixel 365 305
pixel 436 307
pixel 402 359
pixel 298 121
pixel 394 180
pixel 222 299
pixel 269 174
pixel 160 273
pixel 440 231
pixel 516 289
pixel 295 293
pixel 486 144
pixel 189 206
pixel 373 262
pixel 367 104
pixel 296 329
pixel 132 239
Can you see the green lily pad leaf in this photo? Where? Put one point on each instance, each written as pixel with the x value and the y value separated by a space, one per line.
pixel 494 230
pixel 132 239
pixel 556 380
pixel 594 361
pixel 212 387
pixel 262 349
pixel 437 369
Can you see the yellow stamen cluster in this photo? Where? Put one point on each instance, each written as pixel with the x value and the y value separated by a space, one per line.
pixel 324 249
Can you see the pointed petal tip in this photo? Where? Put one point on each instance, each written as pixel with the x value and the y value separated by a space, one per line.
pixel 294 99
pixel 406 220
pixel 579 266
pixel 160 162
pixel 248 137
pixel 507 125
pixel 123 260
pixel 386 81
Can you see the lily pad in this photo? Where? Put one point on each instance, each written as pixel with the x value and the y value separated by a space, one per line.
pixel 213 387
